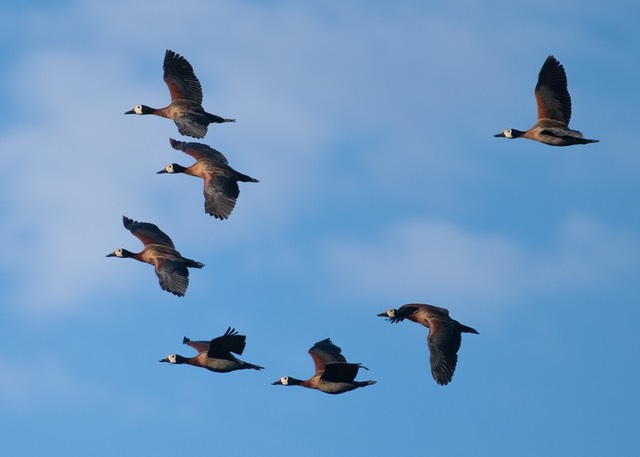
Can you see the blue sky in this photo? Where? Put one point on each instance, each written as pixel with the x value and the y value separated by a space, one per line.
pixel 371 128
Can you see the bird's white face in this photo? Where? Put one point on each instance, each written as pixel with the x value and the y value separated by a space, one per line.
pixel 508 133
pixel 391 312
pixel 118 252
pixel 138 109
pixel 169 168
pixel 171 358
pixel 285 380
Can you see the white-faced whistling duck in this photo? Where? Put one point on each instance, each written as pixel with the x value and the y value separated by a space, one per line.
pixel 334 375
pixel 186 99
pixel 554 110
pixel 445 336
pixel 220 180
pixel 160 252
pixel 215 355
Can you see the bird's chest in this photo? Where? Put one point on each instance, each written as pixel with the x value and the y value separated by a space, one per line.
pixel 200 169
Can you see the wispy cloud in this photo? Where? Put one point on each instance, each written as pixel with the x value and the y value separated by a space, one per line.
pixel 76 170
pixel 437 261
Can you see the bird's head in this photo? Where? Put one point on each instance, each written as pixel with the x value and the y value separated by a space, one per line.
pixel 140 109
pixel 392 315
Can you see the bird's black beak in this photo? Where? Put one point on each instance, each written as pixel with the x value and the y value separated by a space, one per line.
pixel 162 171
pixel 383 314
pixel 499 135
pixel 164 360
pixel 277 383
pixel 130 112
pixel 111 254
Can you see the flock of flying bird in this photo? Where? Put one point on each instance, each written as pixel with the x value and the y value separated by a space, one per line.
pixel 333 374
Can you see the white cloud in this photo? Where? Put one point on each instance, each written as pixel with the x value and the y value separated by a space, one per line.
pixel 76 173
pixel 438 262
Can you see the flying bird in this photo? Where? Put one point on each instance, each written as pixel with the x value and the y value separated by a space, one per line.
pixel 445 336
pixel 220 180
pixel 334 375
pixel 216 355
pixel 186 99
pixel 554 110
pixel 159 251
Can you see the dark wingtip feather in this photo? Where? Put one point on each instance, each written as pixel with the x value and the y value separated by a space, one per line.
pixel 175 144
pixel 465 329
pixel 230 331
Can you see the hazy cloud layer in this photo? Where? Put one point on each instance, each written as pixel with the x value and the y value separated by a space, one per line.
pixel 369 125
pixel 316 126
